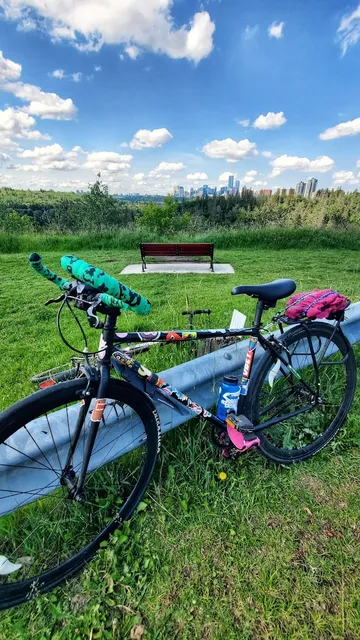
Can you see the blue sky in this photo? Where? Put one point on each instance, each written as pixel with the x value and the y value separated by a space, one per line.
pixel 155 93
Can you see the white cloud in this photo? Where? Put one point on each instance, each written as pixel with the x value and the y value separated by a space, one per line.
pixel 97 68
pixel 250 32
pixel 230 149
pixel 58 73
pixel 14 123
pixel 148 24
pixel 270 121
pixel 249 177
pixel 4 157
pixel 145 138
pixel 107 161
pixel 345 177
pixel 124 145
pixel 9 70
pixel 350 128
pixel 321 164
pixel 276 30
pixel 266 154
pixel 50 157
pixel 197 176
pixel 348 32
pixel 139 176
pixel 224 177
pixel 44 105
pixel 132 51
pixel 168 166
pixel 260 183
pixel 243 123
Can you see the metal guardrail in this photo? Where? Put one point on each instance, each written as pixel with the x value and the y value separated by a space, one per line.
pixel 198 378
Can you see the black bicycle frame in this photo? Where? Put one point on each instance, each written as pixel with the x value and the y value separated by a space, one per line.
pixel 142 378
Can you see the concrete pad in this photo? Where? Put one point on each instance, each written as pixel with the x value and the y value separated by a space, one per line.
pixel 178 267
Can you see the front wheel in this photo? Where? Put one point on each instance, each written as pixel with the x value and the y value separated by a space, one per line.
pixel 45 534
pixel 312 394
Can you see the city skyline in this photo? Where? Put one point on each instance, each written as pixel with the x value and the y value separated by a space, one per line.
pixel 306 189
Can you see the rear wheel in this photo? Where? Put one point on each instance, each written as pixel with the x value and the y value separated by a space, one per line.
pixel 313 400
pixel 45 534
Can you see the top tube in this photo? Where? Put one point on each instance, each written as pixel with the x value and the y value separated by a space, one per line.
pixel 180 336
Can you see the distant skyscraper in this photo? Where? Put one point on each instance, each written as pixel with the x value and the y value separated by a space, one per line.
pixel 237 186
pixel 290 191
pixel 300 188
pixel 205 189
pixel 181 192
pixel 192 192
pixel 310 187
pixel 265 192
pixel 230 182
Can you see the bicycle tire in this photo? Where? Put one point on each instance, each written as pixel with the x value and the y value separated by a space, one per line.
pixel 317 330
pixel 48 400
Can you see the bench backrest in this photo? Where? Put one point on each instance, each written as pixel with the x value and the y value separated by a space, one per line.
pixel 177 249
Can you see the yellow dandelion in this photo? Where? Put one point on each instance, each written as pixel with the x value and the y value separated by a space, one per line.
pixel 222 475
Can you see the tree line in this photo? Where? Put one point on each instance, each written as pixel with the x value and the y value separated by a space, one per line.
pixel 96 210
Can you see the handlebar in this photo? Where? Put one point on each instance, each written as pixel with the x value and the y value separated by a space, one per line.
pixel 113 294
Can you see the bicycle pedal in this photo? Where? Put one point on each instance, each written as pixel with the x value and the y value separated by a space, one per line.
pixel 240 422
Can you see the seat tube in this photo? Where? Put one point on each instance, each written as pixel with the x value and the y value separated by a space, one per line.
pixel 249 359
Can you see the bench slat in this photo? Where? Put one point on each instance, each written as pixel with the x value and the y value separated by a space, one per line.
pixel 177 249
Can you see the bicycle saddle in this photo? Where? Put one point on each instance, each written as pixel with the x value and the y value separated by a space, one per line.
pixel 270 292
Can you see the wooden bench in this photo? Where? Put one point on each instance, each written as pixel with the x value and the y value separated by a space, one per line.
pixel 184 250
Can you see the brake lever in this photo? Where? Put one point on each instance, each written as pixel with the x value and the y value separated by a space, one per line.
pixel 55 300
pixel 93 320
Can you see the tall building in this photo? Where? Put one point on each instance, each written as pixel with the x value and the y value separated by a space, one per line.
pixel 205 189
pixel 181 192
pixel 290 191
pixel 230 182
pixel 237 186
pixel 265 192
pixel 300 188
pixel 176 191
pixel 310 187
pixel 192 192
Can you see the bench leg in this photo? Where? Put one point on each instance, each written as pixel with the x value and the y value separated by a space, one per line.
pixel 212 266
pixel 143 266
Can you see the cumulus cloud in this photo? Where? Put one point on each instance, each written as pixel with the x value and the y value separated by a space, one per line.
pixel 229 149
pixel 60 74
pixel 198 175
pixel 243 123
pixel 139 176
pixel 321 164
pixel 87 25
pixel 270 121
pixel 348 32
pixel 14 123
pixel 50 157
pixel 276 29
pixel 9 70
pixel 97 68
pixel 168 166
pixel 350 128
pixel 249 177
pixel 145 138
pixel 132 51
pixel 345 177
pixel 48 106
pixel 224 177
pixel 266 154
pixel 259 183
pixel 107 161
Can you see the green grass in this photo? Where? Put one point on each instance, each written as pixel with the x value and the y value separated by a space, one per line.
pixel 269 553
pixel 224 238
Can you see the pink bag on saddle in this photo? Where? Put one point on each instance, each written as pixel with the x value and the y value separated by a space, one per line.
pixel 316 304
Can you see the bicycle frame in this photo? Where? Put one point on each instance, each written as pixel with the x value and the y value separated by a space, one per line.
pixel 142 378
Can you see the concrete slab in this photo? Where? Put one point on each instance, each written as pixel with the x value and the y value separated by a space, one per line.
pixel 178 267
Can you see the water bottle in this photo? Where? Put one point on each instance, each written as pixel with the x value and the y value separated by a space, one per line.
pixel 229 393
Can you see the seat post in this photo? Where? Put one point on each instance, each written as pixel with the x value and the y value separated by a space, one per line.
pixel 258 314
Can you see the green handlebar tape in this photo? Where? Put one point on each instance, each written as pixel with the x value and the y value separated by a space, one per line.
pixel 39 267
pixel 104 283
pixel 110 301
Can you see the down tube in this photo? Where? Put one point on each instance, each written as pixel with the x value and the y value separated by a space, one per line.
pixel 153 379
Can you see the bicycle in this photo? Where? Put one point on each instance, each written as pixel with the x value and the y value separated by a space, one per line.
pixel 71 465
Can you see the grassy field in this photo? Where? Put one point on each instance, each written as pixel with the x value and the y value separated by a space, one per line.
pixel 268 553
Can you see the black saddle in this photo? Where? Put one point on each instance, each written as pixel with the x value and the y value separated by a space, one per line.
pixel 270 292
